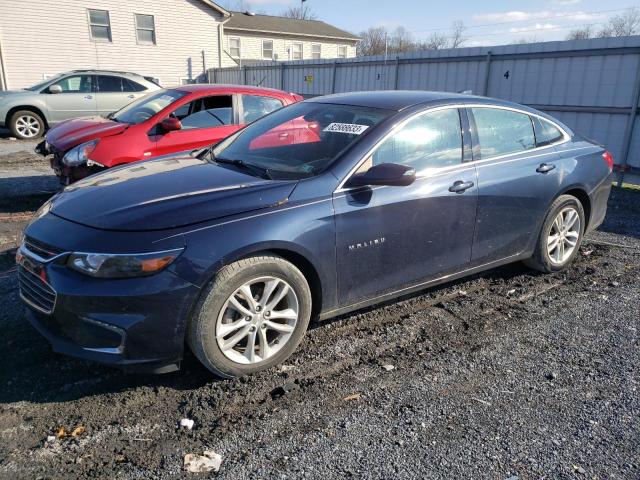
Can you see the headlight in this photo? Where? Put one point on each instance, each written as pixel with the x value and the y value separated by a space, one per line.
pixel 80 154
pixel 105 265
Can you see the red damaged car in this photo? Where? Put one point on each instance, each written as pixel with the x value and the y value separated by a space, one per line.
pixel 165 122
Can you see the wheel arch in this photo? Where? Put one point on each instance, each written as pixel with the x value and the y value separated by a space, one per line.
pixel 30 108
pixel 583 197
pixel 297 256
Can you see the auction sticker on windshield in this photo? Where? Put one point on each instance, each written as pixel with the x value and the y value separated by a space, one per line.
pixel 351 128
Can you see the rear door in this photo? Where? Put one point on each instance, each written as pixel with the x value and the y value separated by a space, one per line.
pixel 205 121
pixel 113 93
pixel 390 237
pixel 517 181
pixel 77 98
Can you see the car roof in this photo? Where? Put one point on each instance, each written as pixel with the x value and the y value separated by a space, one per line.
pixel 400 99
pixel 108 72
pixel 218 88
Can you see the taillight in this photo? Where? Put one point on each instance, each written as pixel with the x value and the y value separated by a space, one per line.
pixel 608 158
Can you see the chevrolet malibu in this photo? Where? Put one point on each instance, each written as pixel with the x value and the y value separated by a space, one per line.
pixel 320 208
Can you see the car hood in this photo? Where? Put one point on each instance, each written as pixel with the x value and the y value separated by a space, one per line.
pixel 165 193
pixel 15 93
pixel 73 132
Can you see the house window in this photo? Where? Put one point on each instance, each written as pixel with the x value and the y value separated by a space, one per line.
pixel 100 25
pixel 342 51
pixel 316 51
pixel 267 49
pixel 296 51
pixel 234 47
pixel 145 29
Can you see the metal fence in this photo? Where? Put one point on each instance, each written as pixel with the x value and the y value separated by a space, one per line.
pixel 591 85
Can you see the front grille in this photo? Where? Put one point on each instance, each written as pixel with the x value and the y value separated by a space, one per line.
pixel 41 249
pixel 35 291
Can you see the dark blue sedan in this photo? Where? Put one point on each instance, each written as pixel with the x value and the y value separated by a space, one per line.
pixel 317 209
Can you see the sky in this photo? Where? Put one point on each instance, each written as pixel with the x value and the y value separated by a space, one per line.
pixel 487 22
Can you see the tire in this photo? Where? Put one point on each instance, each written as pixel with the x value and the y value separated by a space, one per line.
pixel 224 308
pixel 26 125
pixel 548 259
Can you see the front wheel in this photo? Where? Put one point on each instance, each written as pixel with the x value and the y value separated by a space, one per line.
pixel 560 237
pixel 252 317
pixel 26 125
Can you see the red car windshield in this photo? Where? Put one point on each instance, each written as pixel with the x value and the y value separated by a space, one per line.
pixel 299 141
pixel 146 107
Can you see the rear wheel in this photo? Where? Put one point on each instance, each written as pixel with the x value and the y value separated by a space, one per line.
pixel 252 317
pixel 26 125
pixel 560 237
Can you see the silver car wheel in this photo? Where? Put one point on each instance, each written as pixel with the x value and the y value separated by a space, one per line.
pixel 28 126
pixel 257 320
pixel 563 236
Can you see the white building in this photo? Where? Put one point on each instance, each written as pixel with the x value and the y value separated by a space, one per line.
pixel 173 41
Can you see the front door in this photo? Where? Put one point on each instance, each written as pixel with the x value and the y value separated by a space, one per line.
pixel 204 121
pixel 77 98
pixel 391 237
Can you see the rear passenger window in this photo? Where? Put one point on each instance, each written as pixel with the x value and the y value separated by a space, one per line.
pixel 501 132
pixel 107 84
pixel 255 106
pixel 546 132
pixel 431 140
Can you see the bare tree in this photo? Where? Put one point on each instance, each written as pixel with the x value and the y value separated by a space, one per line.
pixel 581 33
pixel 401 41
pixel 372 41
pixel 436 41
pixel 457 34
pixel 302 12
pixel 623 25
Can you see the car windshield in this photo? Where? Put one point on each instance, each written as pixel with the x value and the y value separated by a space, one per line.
pixel 146 107
pixel 39 85
pixel 298 141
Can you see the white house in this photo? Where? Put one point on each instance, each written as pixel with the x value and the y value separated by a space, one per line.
pixel 249 38
pixel 173 41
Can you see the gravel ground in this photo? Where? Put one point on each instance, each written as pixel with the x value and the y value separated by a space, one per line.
pixel 503 375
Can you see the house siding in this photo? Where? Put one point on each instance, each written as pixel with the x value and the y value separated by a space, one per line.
pixel 251 46
pixel 59 39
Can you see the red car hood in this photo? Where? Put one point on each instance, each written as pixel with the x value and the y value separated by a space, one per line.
pixel 73 132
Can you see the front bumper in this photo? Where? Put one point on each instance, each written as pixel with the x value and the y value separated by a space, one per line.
pixel 137 324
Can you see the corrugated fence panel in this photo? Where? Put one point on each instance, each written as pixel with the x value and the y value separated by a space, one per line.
pixel 588 84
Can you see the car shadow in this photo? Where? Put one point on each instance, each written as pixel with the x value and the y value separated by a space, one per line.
pixel 14 191
pixel 32 372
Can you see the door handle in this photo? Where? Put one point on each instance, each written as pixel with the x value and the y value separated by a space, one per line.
pixel 460 186
pixel 88 97
pixel 131 96
pixel 545 167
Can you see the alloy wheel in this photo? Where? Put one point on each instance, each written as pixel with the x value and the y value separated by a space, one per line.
pixel 257 320
pixel 28 126
pixel 563 236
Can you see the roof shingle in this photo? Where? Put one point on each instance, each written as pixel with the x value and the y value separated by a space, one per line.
pixel 288 26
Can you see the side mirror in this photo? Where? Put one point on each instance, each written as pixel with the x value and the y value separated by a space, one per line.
pixel 170 124
pixel 55 88
pixel 390 174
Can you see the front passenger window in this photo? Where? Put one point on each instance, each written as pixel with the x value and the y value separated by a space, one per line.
pixel 207 112
pixel 431 140
pixel 501 132
pixel 76 84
